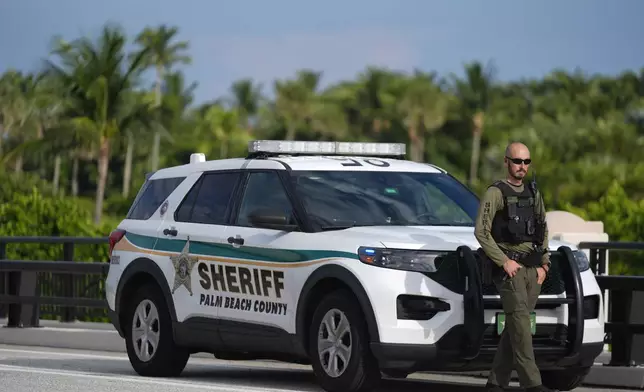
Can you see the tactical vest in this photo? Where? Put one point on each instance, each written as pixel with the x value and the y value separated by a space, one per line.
pixel 517 222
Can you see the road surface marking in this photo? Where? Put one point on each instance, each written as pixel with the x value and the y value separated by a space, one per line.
pixel 141 380
pixel 63 329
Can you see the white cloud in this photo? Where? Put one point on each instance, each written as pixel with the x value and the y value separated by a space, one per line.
pixel 339 55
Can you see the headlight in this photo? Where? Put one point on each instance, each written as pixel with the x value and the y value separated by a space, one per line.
pixel 402 259
pixel 582 260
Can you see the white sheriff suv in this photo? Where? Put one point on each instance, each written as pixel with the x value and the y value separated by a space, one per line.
pixel 344 256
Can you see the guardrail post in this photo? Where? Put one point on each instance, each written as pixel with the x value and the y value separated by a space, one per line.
pixel 636 343
pixel 620 305
pixel 24 284
pixel 68 283
pixel 20 292
pixel 12 279
pixel 13 315
pixel 593 259
pixel 4 280
pixel 601 267
pixel 28 286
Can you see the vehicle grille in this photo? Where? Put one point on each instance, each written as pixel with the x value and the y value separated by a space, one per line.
pixel 554 283
pixel 547 335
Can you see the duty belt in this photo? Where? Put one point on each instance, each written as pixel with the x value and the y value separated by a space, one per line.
pixel 517 256
pixel 529 259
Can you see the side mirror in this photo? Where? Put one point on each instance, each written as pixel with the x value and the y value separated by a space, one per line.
pixel 271 219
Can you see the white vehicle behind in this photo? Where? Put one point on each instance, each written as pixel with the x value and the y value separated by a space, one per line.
pixel 344 256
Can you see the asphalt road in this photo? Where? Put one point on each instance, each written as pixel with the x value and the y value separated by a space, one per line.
pixel 36 368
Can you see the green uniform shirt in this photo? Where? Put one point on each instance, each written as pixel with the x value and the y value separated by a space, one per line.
pixel 491 203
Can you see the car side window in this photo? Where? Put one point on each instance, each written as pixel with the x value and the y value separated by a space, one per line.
pixel 208 200
pixel 151 195
pixel 264 191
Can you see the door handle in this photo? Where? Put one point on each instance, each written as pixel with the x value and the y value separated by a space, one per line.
pixel 172 232
pixel 236 240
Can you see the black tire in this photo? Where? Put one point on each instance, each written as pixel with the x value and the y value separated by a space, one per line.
pixel 564 379
pixel 361 373
pixel 167 360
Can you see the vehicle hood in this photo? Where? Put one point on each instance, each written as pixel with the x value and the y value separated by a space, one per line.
pixel 425 237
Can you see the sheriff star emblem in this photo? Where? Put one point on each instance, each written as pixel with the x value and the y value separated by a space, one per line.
pixel 183 264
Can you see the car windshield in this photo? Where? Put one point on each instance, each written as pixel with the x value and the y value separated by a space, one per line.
pixel 341 199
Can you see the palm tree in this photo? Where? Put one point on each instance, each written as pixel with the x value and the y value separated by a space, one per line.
pixel 475 93
pixel 219 126
pixel 98 79
pixel 19 109
pixel 295 101
pixel 161 54
pixel 368 103
pixel 424 108
pixel 246 98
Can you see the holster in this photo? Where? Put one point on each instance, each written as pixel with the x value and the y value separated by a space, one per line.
pixel 489 269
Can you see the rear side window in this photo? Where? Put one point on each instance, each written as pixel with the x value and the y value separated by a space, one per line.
pixel 209 199
pixel 151 195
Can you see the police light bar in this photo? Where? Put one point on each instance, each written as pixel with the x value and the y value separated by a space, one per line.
pixel 326 148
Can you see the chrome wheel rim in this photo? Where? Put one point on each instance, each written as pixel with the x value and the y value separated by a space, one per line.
pixel 334 343
pixel 145 330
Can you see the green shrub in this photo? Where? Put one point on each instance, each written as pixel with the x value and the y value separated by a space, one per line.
pixel 33 214
pixel 623 219
pixel 13 184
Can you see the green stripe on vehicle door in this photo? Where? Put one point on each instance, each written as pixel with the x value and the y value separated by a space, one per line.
pixel 225 250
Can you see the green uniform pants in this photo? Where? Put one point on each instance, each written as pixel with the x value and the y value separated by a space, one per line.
pixel 519 297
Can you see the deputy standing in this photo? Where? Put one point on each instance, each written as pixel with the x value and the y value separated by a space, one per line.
pixel 512 232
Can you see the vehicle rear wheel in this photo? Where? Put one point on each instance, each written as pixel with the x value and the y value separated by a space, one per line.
pixel 339 346
pixel 564 379
pixel 148 336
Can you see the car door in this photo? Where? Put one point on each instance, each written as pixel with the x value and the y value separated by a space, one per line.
pixel 261 299
pixel 193 239
pixel 144 218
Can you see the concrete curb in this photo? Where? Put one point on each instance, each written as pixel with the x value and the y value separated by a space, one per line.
pixel 75 335
pixel 103 337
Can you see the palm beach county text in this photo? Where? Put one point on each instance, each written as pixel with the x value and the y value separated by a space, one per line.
pixel 241 280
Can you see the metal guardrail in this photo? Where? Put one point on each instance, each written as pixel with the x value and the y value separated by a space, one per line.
pixel 53 288
pixel 625 319
pixel 599 252
pixel 26 293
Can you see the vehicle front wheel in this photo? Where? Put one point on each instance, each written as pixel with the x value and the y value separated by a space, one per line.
pixel 339 346
pixel 564 379
pixel 148 336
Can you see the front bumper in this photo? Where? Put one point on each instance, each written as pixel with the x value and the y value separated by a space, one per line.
pixel 568 339
pixel 446 355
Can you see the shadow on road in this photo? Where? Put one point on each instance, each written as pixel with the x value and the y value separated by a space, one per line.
pixel 235 375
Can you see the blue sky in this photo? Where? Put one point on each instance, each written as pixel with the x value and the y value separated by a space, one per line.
pixel 272 39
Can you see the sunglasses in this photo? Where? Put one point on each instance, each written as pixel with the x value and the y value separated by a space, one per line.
pixel 518 161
